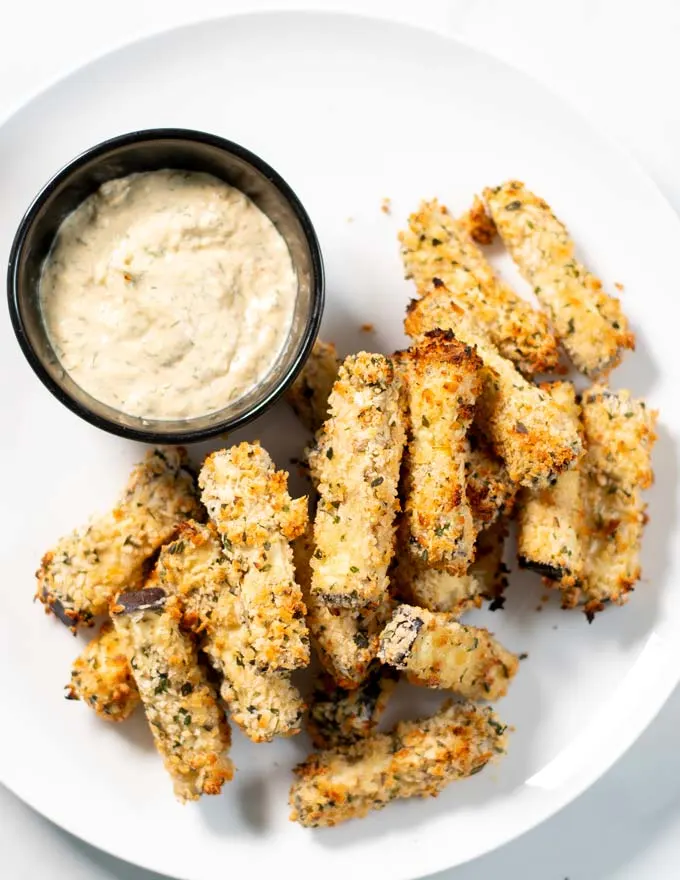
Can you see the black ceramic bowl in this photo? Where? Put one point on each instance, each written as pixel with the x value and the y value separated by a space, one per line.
pixel 152 150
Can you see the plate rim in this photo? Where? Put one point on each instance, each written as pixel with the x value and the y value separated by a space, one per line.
pixel 572 788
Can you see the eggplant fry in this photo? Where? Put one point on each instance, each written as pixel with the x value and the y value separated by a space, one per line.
pixel 102 678
pixel 346 640
pixel 590 323
pixel 437 249
pixel 193 567
pixel 417 759
pixel 620 433
pixel 535 439
pixel 550 520
pixel 248 500
pixel 442 380
pixel 614 527
pixel 339 717
pixel 415 584
pixel 437 651
pixel 454 594
pixel 187 723
pixel 79 577
pixel 356 464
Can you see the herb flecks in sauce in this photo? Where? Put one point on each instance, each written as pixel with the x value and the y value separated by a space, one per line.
pixel 168 294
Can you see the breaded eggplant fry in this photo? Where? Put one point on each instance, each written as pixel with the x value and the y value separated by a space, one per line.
pixel 193 567
pixel 619 433
pixel 614 527
pixel 442 380
pixel 79 577
pixel 248 500
pixel 102 677
pixel 413 582
pixel 490 491
pixel 308 395
pixel 589 322
pixel 535 439
pixel 357 467
pixel 187 723
pixel 487 578
pixel 438 652
pixel 477 224
pixel 346 640
pixel 339 717
pixel 550 520
pixel 417 759
pixel 436 249
pixel 435 590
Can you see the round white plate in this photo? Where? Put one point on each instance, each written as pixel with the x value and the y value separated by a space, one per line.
pixel 350 111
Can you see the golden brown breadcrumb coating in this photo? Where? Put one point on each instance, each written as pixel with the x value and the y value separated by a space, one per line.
pixel 550 520
pixel 356 465
pixel 436 249
pixel 442 381
pixel 339 717
pixel 619 436
pixel 437 651
pixel 416 584
pixel 78 578
pixel 248 500
pixel 528 430
pixel 187 723
pixel 477 223
pixel 264 704
pixel 620 433
pixel 590 323
pixel 345 639
pixel 615 522
pixel 417 759
pixel 102 678
pixel 309 393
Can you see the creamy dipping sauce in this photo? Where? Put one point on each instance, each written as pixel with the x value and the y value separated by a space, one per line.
pixel 168 294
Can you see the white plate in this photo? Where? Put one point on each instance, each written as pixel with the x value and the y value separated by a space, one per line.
pixel 349 111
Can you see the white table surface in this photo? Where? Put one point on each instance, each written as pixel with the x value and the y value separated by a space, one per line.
pixel 618 61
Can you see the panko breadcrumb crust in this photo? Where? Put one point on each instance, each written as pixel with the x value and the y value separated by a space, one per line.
pixel 102 678
pixel 550 520
pixel 437 651
pixel 436 248
pixel 442 381
pixel 477 223
pixel 528 430
pixel 589 323
pixel 78 578
pixel 339 717
pixel 620 433
pixel 181 706
pixel 356 466
pixel 417 759
pixel 248 500
pixel 264 704
pixel 346 639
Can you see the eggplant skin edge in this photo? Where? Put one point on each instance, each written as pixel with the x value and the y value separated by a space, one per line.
pixel 553 572
pixel 150 599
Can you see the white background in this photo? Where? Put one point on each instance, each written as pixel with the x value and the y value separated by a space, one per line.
pixel 619 63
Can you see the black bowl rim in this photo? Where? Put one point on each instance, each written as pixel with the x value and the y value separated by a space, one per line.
pixel 100 150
